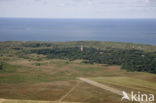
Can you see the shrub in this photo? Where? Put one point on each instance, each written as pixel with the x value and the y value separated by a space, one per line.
pixel 1 66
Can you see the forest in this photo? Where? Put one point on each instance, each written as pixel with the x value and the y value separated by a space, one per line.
pixel 132 57
pixel 131 60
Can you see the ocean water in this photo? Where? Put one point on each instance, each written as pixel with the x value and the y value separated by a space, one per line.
pixel 119 30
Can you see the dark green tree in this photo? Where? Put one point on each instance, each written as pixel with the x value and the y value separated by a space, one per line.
pixel 1 65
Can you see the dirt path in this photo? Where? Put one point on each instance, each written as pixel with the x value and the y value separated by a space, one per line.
pixel 63 97
pixel 105 87
pixel 2 100
pixel 118 92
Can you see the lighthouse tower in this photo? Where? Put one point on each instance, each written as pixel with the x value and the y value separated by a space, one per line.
pixel 81 47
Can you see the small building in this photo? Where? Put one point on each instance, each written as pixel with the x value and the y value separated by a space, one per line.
pixel 82 47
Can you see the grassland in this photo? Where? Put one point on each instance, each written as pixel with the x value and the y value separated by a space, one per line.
pixel 125 83
pixel 33 78
pixel 31 101
pixel 52 79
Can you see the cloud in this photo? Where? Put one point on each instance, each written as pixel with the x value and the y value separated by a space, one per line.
pixel 41 1
pixel 61 5
pixel 79 8
pixel 89 2
pixel 6 0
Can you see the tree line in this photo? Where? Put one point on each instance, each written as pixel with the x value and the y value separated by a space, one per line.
pixel 131 60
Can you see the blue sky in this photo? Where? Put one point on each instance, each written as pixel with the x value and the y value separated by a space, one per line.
pixel 78 8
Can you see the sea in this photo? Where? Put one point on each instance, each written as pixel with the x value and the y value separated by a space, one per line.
pixel 141 31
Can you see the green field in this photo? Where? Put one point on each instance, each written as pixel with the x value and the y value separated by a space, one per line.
pixel 32 78
pixel 22 79
pixel 128 82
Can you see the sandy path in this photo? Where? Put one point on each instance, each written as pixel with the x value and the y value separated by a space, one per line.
pixel 105 87
pixel 63 97
pixel 2 100
pixel 118 92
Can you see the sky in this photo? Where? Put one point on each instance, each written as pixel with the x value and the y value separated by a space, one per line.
pixel 78 8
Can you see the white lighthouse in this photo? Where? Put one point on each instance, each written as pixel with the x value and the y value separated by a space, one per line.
pixel 81 47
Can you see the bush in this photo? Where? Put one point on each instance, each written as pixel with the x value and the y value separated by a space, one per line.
pixel 1 66
pixel 38 64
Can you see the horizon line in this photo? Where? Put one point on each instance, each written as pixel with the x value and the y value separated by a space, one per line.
pixel 78 41
pixel 66 18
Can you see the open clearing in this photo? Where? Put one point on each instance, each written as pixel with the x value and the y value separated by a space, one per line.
pixel 55 80
pixel 131 83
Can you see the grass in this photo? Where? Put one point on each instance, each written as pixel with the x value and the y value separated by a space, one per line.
pixel 24 71
pixel 31 101
pixel 50 91
pixel 128 82
pixel 86 93
pixel 23 79
pixel 86 69
pixel 9 69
